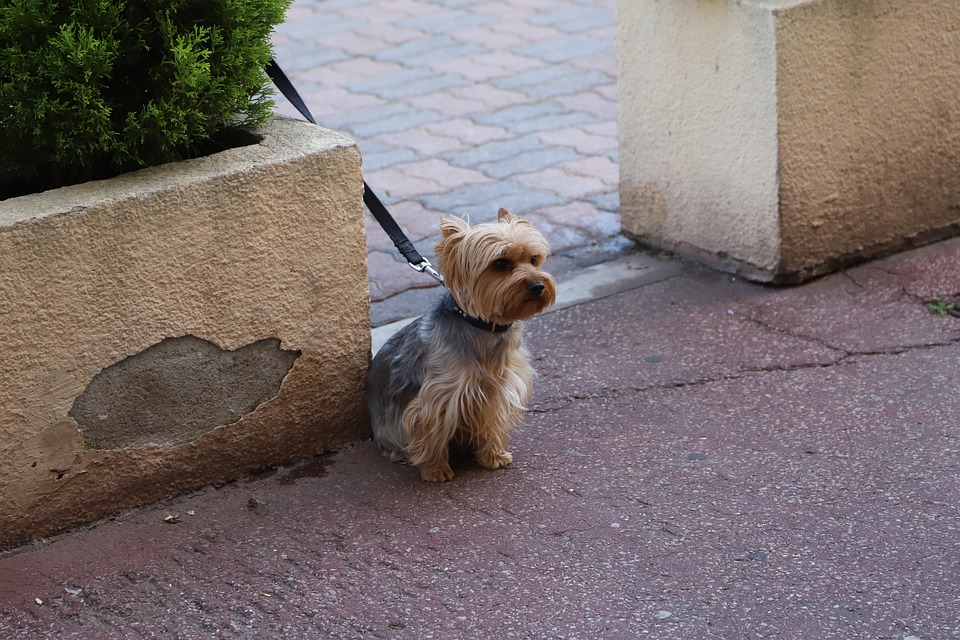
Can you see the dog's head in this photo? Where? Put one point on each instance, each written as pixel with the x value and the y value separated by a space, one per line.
pixel 495 270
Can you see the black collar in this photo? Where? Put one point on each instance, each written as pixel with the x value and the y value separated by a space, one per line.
pixel 479 323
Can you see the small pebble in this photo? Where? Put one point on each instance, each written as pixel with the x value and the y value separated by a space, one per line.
pixel 662 615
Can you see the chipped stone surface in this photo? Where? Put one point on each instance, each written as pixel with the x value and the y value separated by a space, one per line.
pixel 177 390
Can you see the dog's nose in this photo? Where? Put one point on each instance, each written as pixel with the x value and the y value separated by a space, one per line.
pixel 536 288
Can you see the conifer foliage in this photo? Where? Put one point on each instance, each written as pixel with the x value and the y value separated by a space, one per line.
pixel 92 88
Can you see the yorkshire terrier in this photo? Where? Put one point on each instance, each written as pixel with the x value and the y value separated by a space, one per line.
pixel 460 375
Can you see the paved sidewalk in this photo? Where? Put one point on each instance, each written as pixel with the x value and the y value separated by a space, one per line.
pixel 461 107
pixel 704 458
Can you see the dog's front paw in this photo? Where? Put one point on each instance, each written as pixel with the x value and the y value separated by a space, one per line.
pixel 438 472
pixel 495 459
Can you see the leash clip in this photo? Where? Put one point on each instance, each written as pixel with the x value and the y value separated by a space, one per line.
pixel 424 266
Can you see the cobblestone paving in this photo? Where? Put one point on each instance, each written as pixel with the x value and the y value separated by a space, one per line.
pixel 463 106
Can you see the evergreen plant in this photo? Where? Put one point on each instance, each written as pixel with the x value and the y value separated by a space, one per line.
pixel 93 88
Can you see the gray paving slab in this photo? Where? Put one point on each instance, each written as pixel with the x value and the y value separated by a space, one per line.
pixel 313 28
pixel 378 155
pixel 574 20
pixel 309 57
pixel 481 201
pixel 550 123
pixel 378 122
pixel 568 47
pixel 508 117
pixel 528 162
pixel 606 201
pixel 413 84
pixel 549 82
pixel 427 49
pixel 446 21
pixel 497 150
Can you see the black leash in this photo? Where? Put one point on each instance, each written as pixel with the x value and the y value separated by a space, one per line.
pixel 390 226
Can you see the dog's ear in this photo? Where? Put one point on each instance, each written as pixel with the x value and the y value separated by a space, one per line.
pixel 505 216
pixel 451 226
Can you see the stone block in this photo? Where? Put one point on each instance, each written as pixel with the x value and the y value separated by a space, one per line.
pixel 180 326
pixel 783 139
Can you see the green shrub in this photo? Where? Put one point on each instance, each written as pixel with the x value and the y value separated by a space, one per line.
pixel 93 88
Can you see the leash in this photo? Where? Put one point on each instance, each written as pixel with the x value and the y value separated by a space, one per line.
pixel 416 261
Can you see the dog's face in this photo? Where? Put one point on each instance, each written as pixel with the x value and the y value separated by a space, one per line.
pixel 495 270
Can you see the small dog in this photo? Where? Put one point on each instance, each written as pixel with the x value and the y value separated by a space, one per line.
pixel 460 375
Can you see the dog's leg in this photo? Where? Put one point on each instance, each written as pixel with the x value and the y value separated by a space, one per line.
pixel 494 458
pixel 428 441
pixel 503 412
pixel 438 471
pixel 491 451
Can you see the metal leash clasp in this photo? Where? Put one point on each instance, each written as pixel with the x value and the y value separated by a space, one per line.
pixel 425 267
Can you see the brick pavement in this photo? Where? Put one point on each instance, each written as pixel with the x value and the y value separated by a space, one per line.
pixel 461 107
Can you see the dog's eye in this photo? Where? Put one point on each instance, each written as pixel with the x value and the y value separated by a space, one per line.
pixel 502 264
pixel 536 260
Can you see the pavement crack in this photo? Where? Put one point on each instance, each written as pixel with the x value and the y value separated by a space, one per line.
pixel 555 404
pixel 780 331
pixel 853 281
pixel 895 351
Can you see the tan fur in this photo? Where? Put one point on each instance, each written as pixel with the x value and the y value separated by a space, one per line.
pixel 473 397
pixel 465 253
pixel 472 404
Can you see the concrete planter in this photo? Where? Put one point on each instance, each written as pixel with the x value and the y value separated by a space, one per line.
pixel 783 139
pixel 180 326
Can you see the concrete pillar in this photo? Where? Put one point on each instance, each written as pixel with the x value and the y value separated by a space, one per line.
pixel 782 139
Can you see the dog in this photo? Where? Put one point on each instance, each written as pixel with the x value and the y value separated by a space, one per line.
pixel 460 376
